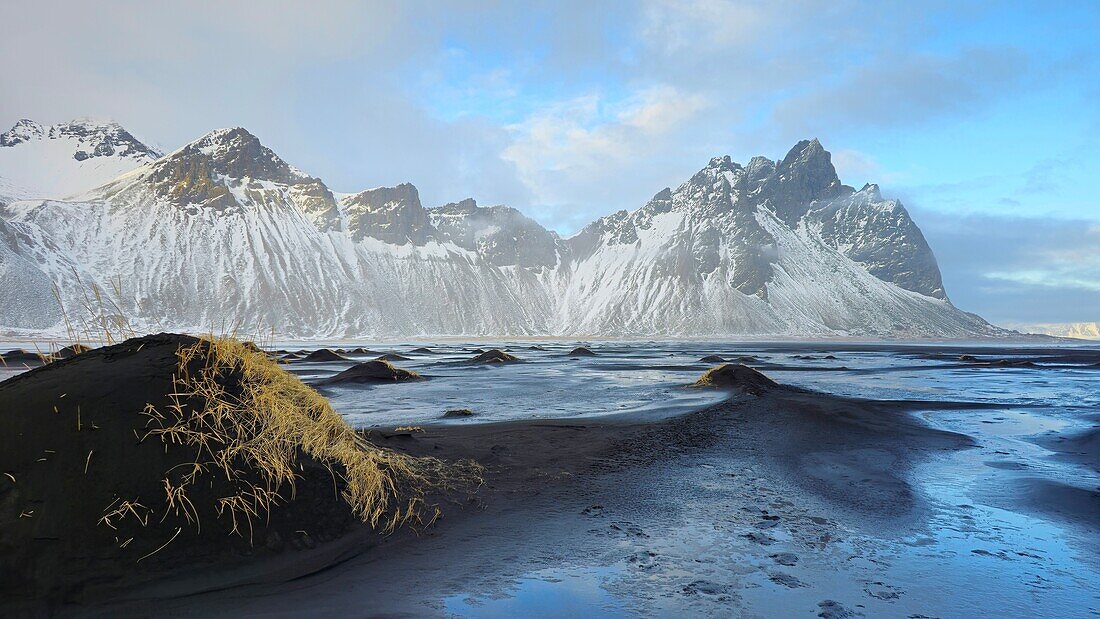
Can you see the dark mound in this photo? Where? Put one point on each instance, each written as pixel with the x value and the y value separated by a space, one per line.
pixel 104 489
pixel 738 377
pixel 535 347
pixel 392 356
pixel 477 351
pixel 323 355
pixel 968 358
pixel 21 357
pixel 423 350
pixel 831 357
pixel 377 371
pixel 746 359
pixel 581 351
pixel 458 412
pixel 69 351
pixel 713 359
pixel 494 356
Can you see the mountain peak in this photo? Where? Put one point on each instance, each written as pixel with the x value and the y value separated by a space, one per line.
pixel 237 154
pixel 806 175
pixel 228 138
pixel 806 151
pixel 22 131
pixel 389 214
pixel 468 205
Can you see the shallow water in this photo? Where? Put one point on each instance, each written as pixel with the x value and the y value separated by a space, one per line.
pixel 980 550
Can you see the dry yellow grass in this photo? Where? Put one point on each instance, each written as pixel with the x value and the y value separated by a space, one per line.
pixel 259 415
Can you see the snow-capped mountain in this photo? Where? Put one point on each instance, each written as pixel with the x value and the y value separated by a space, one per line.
pixel 769 248
pixel 66 159
pixel 223 233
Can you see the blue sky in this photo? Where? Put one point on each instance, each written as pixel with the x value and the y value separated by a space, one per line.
pixel 981 117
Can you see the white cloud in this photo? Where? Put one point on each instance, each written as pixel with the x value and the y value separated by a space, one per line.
pixel 696 26
pixel 573 153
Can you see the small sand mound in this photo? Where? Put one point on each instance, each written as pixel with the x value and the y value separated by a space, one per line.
pixel 581 351
pixel 423 350
pixel 20 357
pixel 69 351
pixel 495 356
pixel 376 371
pixel 323 355
pixel 968 358
pixel 457 412
pixel 738 377
pixel 712 359
pixel 392 356
pixel 169 454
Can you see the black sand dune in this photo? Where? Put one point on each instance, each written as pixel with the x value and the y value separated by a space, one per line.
pixel 100 494
pixel 494 356
pixel 423 350
pixel 712 359
pixel 69 351
pixel 581 351
pixel 458 413
pixel 736 377
pixel 21 358
pixel 323 355
pixel 392 356
pixel 376 371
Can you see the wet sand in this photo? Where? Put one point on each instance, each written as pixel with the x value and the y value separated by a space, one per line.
pixel 810 462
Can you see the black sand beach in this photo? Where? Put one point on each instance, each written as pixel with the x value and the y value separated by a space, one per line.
pixel 820 468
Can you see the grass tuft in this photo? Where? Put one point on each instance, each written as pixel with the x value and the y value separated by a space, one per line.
pixel 258 417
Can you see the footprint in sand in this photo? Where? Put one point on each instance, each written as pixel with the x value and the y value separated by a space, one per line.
pixel 787 580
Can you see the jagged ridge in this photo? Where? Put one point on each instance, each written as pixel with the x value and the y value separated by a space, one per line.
pixel 224 230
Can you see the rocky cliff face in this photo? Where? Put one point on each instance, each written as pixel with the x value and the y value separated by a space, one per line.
pixel 390 214
pixel 502 236
pixel 223 230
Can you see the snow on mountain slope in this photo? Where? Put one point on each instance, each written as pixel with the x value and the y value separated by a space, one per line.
pixel 66 159
pixel 222 233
